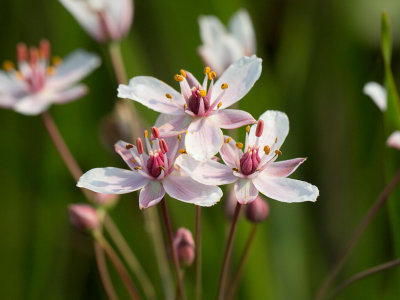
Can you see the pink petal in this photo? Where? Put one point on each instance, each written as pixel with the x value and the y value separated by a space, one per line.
pixel 245 191
pixel 192 81
pixel 285 189
pixel 32 104
pixel 121 15
pixel 152 92
pixel 283 168
pixel 231 118
pixel 230 153
pixel 394 140
pixel 112 181
pixel 209 172
pixel 151 194
pixel 377 93
pixel 126 154
pixel 242 29
pixel 203 139
pixel 70 94
pixel 171 125
pixel 240 77
pixel 187 190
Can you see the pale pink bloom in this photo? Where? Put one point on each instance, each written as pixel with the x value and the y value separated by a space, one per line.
pixel 377 93
pixel 255 170
pixel 153 173
pixel 222 47
pixel 35 84
pixel 103 20
pixel 184 246
pixel 199 108
pixel 258 210
pixel 84 217
pixel 394 140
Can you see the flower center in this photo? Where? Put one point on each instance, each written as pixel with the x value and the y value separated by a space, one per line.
pixel 250 161
pixel 155 163
pixel 197 99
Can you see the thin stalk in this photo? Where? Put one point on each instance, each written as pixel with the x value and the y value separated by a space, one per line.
pixel 380 201
pixel 170 236
pixel 122 272
pixel 197 266
pixel 129 257
pixel 363 274
pixel 103 271
pixel 242 263
pixel 227 254
pixel 117 62
pixel 177 294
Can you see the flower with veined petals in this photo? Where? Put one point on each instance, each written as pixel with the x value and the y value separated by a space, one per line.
pixel 377 93
pixel 222 47
pixel 103 20
pixel 255 170
pixel 153 173
pixel 200 109
pixel 36 84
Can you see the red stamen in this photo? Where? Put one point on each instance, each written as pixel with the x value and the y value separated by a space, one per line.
pixel 139 145
pixel 260 128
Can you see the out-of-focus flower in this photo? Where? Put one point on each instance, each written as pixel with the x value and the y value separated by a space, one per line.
pixel 153 173
pixel 84 217
pixel 394 140
pixel 184 246
pixel 198 109
pixel 222 47
pixel 105 200
pixel 377 93
pixel 103 20
pixel 35 84
pixel 254 170
pixel 258 210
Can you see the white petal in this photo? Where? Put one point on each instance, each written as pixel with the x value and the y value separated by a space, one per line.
pixel 211 29
pixel 121 15
pixel 112 181
pixel 230 153
pixel 32 105
pixel 70 94
pixel 187 190
pixel 231 118
pixel 209 172
pixel 245 191
pixel 377 93
pixel 172 125
pixel 203 139
pixel 394 140
pixel 283 168
pixel 242 28
pixel 151 92
pixel 151 194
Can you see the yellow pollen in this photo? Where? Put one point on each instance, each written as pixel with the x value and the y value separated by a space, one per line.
pixel 248 128
pixel 132 160
pixel 224 86
pixel 183 73
pixel 228 140
pixel 203 93
pixel 235 169
pixel 168 96
pixel 276 140
pixel 278 152
pixel 212 75
pixel 56 60
pixel 219 105
pixel 137 168
pixel 180 137
pixel 187 132
pixel 182 151
pixel 207 70
pixel 19 75
pixel 184 106
pixel 146 134
pixel 239 145
pixel 51 70
pixel 267 149
pixel 8 65
pixel 178 78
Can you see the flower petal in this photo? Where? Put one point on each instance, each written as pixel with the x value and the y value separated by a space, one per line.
pixel 230 153
pixel 187 190
pixel 209 172
pixel 285 189
pixel 377 93
pixel 211 29
pixel 151 194
pixel 203 139
pixel 245 191
pixel 240 77
pixel 394 140
pixel 242 28
pixel 152 92
pixel 171 125
pixel 283 168
pixel 32 105
pixel 121 15
pixel 112 180
pixel 231 118
pixel 70 94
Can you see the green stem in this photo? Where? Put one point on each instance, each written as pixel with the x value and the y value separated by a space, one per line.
pixel 227 254
pixel 198 289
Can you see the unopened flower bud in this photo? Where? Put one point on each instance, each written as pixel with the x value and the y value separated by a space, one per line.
pixel 230 204
pixel 184 246
pixel 84 217
pixel 106 200
pixel 257 211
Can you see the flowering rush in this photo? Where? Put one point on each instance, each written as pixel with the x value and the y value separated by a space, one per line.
pixel 255 170
pixel 200 110
pixel 153 173
pixel 35 84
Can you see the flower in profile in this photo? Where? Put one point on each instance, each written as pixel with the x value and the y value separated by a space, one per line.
pixel 377 93
pixel 103 20
pixel 184 246
pixel 255 170
pixel 153 173
pixel 222 47
pixel 200 109
pixel 84 217
pixel 257 211
pixel 35 84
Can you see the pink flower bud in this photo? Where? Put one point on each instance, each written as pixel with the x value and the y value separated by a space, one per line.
pixel 139 145
pixel 106 200
pixel 184 246
pixel 259 128
pixel 257 211
pixel 155 132
pixel 84 217
pixel 230 204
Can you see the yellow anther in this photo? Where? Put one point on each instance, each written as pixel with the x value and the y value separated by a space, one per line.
pixel 203 93
pixel 235 169
pixel 267 149
pixel 239 145
pixel 179 137
pixel 182 151
pixel 248 128
pixel 178 77
pixel 19 75
pixel 56 60
pixel 278 152
pixel 146 134
pixel 219 105
pixel 168 96
pixel 51 70
pixel 162 168
pixel 134 161
pixel 228 139
pixel 137 168
pixel 212 75
pixel 276 140
pixel 224 86
pixel 207 70
pixel 183 73
pixel 8 65
pixel 128 146
pixel 184 106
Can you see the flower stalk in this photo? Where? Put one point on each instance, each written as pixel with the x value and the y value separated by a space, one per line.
pixel 197 266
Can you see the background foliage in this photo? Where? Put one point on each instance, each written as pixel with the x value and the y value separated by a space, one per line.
pixel 317 55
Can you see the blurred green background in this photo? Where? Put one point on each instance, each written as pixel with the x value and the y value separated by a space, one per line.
pixel 317 55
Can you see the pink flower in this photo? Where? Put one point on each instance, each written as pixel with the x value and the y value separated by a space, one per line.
pixel 200 109
pixel 255 170
pixel 103 20
pixel 222 47
pixel 184 246
pixel 84 217
pixel 35 84
pixel 153 173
